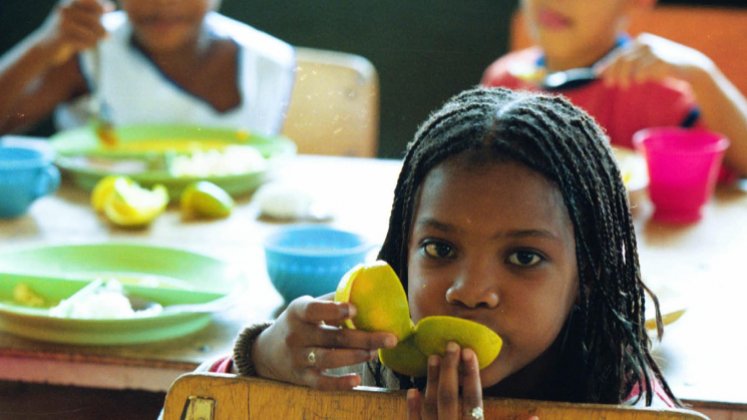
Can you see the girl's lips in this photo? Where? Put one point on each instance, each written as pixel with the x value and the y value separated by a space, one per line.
pixel 552 20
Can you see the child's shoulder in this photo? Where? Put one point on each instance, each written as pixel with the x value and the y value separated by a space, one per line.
pixel 250 38
pixel 514 68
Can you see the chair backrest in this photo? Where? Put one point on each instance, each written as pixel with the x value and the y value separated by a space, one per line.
pixel 334 108
pixel 209 396
pixel 718 32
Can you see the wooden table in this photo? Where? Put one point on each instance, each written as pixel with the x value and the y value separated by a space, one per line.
pixel 699 267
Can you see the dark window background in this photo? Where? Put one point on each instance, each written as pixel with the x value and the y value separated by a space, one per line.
pixel 424 51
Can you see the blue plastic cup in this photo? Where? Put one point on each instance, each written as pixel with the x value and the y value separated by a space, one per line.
pixel 25 175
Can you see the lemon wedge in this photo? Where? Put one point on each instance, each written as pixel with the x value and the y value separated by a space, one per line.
pixel 125 203
pixel 101 191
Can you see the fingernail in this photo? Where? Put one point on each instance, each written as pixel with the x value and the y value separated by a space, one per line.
pixel 467 355
pixel 433 360
pixel 348 310
pixel 452 347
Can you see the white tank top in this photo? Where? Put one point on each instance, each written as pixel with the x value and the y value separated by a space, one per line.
pixel 137 92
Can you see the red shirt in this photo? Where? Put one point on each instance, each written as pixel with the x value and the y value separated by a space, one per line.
pixel 621 112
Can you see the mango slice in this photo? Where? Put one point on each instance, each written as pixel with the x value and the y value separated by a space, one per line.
pixel 377 293
pixel 434 332
pixel 406 358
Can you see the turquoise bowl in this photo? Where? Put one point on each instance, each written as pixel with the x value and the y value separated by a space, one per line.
pixel 311 259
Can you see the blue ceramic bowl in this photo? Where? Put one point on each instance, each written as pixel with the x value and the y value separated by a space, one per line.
pixel 311 259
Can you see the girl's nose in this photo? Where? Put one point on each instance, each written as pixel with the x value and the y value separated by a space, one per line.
pixel 474 288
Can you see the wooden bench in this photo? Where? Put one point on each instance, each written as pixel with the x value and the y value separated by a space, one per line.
pixel 208 396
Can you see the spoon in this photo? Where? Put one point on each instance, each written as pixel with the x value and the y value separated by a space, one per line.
pixel 567 79
pixel 100 109
pixel 140 304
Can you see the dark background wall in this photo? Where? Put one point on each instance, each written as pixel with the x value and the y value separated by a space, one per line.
pixel 424 50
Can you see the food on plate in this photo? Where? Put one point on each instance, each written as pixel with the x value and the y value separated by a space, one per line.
pixel 23 294
pixel 215 161
pixel 381 303
pixel 100 299
pixel 205 199
pixel 125 203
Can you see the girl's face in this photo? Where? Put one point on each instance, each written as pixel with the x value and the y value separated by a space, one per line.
pixel 494 244
pixel 166 25
pixel 575 33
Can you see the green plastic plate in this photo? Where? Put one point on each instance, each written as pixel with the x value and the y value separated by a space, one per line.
pixel 80 153
pixel 164 275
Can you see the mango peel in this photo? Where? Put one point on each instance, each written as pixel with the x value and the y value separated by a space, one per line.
pixel 381 303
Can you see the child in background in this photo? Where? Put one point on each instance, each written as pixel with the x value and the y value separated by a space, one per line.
pixel 644 82
pixel 509 211
pixel 153 62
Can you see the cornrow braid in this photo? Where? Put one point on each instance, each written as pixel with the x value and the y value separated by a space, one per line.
pixel 606 349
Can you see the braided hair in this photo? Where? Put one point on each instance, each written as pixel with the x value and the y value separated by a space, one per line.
pixel 605 346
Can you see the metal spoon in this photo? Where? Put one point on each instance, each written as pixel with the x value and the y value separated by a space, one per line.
pixel 100 109
pixel 567 79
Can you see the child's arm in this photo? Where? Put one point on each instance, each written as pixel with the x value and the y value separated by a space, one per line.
pixel 41 71
pixel 722 106
pixel 309 326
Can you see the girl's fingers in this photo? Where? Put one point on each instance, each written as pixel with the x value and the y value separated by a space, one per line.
pixel 317 311
pixel 321 358
pixel 471 385
pixel 430 404
pixel 313 319
pixel 335 337
pixel 413 404
pixel 443 382
pixel 448 382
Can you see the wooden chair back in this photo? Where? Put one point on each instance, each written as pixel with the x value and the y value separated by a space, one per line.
pixel 718 32
pixel 334 108
pixel 208 396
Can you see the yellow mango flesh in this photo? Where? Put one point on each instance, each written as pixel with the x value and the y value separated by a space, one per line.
pixel 379 298
pixel 377 293
pixel 434 332
pixel 406 358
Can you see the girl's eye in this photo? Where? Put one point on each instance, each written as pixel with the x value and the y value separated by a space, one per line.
pixel 525 258
pixel 438 250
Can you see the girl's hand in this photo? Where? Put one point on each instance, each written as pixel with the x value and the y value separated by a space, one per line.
pixel 307 339
pixel 73 26
pixel 650 57
pixel 445 374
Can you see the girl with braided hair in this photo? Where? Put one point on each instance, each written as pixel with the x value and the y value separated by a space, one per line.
pixel 509 211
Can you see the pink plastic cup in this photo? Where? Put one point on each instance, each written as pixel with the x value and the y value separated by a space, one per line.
pixel 683 165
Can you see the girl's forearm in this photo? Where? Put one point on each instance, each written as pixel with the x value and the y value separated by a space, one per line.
pixel 20 68
pixel 724 110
